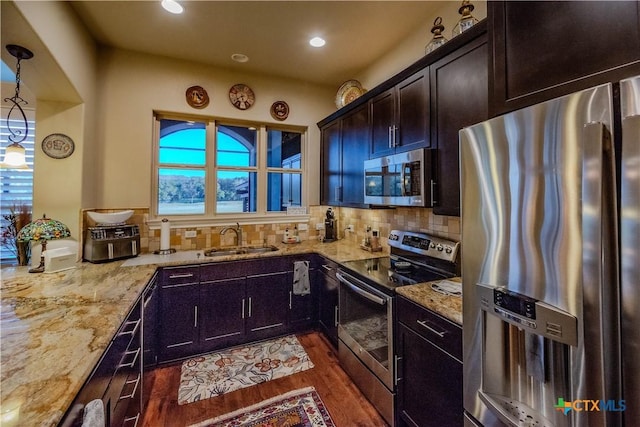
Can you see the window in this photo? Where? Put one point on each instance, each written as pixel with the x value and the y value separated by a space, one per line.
pixel 205 169
pixel 17 184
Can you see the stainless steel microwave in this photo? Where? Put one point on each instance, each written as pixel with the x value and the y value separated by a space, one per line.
pixel 398 180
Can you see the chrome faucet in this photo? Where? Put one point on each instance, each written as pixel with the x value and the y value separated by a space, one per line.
pixel 237 229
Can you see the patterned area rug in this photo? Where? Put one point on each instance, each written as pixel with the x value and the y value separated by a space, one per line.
pixel 214 374
pixel 298 408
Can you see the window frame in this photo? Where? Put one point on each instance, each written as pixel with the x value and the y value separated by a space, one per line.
pixel 211 168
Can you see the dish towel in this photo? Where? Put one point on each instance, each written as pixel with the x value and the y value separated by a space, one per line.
pixel 93 414
pixel 301 278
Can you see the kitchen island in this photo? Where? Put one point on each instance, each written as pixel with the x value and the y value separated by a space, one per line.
pixel 55 327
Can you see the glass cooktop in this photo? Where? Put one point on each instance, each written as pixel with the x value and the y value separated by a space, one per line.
pixel 391 274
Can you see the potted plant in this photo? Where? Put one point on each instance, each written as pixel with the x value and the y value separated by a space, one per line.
pixel 18 217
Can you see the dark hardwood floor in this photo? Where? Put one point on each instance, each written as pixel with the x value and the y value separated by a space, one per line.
pixel 347 406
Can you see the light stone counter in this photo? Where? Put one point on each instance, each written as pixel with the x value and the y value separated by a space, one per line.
pixel 449 307
pixel 54 327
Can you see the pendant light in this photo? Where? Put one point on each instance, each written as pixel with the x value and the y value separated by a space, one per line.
pixel 15 154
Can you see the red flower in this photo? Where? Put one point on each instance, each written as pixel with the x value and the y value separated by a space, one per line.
pixel 267 364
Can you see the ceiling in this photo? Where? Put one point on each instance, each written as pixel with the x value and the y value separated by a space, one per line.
pixel 273 34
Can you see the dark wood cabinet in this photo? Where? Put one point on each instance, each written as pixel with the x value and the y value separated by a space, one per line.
pixel 303 311
pixel 179 336
pixel 331 164
pixel 221 310
pixel 150 320
pixel 355 150
pixel 267 304
pixel 344 147
pixel 400 116
pixel 459 90
pixel 545 49
pixel 116 379
pixel 206 307
pixel 328 300
pixel 430 369
pixel 383 116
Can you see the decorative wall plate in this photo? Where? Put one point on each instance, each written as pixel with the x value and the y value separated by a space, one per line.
pixel 197 97
pixel 58 146
pixel 241 96
pixel 279 110
pixel 348 92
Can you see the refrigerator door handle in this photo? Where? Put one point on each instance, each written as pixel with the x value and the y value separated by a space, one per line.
pixel 630 244
pixel 600 260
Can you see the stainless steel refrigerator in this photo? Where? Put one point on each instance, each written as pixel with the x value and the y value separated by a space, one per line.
pixel 551 262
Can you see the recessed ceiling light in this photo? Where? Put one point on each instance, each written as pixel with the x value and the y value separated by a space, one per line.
pixel 317 42
pixel 239 57
pixel 172 6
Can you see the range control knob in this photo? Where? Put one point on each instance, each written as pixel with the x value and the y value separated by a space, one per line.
pixel 439 248
pixel 448 249
pixel 433 245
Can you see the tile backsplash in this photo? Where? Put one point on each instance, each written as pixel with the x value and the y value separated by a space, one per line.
pixel 383 220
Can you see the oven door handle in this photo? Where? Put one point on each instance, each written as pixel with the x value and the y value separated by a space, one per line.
pixel 357 289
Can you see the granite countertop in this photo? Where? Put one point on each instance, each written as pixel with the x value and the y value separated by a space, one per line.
pixel 55 326
pixel 449 307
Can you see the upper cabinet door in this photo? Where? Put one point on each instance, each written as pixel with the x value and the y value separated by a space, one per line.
pixel 413 113
pixel 383 120
pixel 400 116
pixel 546 49
pixel 331 164
pixel 459 89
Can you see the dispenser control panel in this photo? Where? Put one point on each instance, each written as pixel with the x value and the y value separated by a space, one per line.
pixel 515 303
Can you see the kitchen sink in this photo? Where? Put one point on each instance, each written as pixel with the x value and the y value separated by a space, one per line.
pixel 238 250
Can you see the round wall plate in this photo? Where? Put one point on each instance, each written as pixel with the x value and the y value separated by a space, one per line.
pixel 58 146
pixel 197 97
pixel 280 110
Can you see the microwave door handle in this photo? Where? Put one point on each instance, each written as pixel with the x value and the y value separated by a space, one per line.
pixel 403 178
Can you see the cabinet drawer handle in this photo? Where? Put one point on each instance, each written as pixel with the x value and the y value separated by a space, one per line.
pixel 326 267
pixel 134 419
pixel 249 306
pixel 290 297
pixel 423 323
pixel 195 316
pixel 127 331
pixel 135 388
pixel 335 316
pixel 180 276
pixel 133 362
pixel 243 308
pixel 395 367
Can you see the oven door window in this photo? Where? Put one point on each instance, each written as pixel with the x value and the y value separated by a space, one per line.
pixel 367 322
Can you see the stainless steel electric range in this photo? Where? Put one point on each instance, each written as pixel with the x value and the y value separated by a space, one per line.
pixel 366 306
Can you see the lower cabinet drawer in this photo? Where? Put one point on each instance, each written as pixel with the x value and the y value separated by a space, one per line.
pixel 438 330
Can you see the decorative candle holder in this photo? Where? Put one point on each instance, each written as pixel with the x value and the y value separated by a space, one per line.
pixel 438 39
pixel 467 20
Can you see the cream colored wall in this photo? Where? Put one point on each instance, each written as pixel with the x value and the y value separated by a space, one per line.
pixel 133 85
pixel 412 48
pixel 63 80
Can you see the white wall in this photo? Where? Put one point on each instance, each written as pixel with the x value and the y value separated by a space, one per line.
pixel 133 85
pixel 412 48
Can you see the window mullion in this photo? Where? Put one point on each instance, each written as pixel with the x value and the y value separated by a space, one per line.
pixel 211 169
pixel 262 169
